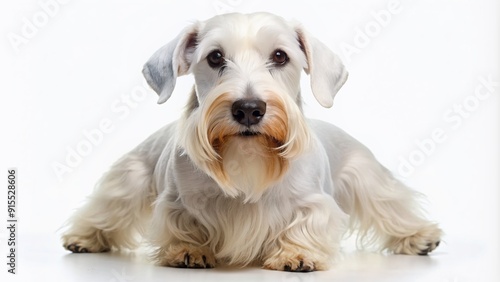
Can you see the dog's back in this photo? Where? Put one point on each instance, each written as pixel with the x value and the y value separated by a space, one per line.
pixel 243 176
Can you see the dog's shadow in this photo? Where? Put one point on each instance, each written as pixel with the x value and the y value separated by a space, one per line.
pixel 116 265
pixel 125 266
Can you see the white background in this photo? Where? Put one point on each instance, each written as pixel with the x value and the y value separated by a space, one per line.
pixel 68 68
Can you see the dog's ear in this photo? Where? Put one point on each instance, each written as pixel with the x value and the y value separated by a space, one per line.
pixel 327 72
pixel 169 62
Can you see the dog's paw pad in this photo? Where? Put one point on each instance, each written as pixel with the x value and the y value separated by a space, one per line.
pixel 186 256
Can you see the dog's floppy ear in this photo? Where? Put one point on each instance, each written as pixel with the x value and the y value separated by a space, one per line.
pixel 327 72
pixel 169 62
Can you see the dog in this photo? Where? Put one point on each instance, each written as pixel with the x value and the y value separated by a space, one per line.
pixel 243 177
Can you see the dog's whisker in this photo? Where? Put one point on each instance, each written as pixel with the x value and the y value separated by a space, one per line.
pixel 243 176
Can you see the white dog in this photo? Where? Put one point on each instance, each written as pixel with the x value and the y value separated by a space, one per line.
pixel 243 177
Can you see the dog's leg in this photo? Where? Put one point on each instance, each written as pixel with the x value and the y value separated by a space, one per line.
pixel 385 211
pixel 177 237
pixel 114 213
pixel 310 242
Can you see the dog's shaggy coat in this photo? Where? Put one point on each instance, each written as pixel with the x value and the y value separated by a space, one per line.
pixel 243 176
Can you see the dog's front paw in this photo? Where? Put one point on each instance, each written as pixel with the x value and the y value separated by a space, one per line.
pixel 186 256
pixel 421 243
pixel 293 262
pixel 77 244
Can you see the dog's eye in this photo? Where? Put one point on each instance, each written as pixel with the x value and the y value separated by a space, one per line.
pixel 280 58
pixel 215 59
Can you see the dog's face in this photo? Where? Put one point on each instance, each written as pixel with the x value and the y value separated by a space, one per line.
pixel 244 123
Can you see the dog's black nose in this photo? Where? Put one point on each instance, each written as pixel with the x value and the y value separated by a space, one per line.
pixel 248 112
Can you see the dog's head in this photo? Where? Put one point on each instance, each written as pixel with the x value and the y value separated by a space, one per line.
pixel 244 122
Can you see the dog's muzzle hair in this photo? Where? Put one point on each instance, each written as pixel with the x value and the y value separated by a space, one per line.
pixel 244 144
pixel 243 177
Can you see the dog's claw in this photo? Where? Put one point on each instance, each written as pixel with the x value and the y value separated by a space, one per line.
pixel 207 265
pixel 188 262
pixel 305 268
pixel 430 248
pixel 75 248
pixel 184 255
pixel 300 268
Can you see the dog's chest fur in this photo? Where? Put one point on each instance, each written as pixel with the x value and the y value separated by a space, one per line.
pixel 225 219
pixel 240 230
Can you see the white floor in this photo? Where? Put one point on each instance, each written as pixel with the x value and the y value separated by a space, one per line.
pixel 41 258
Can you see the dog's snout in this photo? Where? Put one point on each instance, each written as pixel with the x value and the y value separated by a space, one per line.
pixel 248 112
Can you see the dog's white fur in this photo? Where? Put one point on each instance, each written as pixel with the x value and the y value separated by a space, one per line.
pixel 203 194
